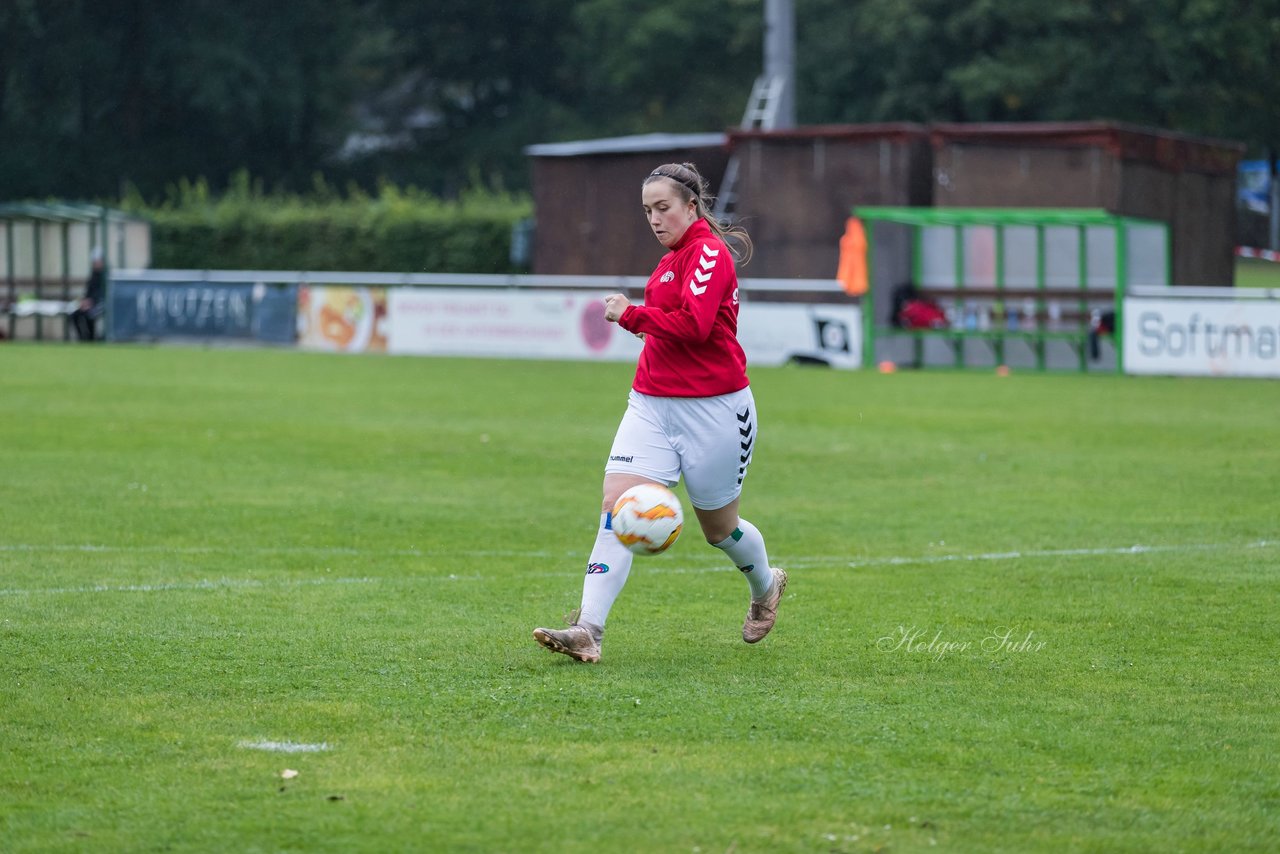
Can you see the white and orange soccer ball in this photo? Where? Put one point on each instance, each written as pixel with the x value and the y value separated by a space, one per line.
pixel 647 518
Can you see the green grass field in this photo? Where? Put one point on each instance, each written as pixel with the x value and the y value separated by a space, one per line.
pixel 1027 613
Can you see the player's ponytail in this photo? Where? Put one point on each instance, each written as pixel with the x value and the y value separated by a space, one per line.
pixel 692 186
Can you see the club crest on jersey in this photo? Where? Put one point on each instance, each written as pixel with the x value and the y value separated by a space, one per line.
pixel 666 277
pixel 702 274
pixel 597 568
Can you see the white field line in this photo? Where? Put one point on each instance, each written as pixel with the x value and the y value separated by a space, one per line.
pixel 713 563
pixel 321 551
pixel 710 557
pixel 219 584
pixel 285 746
pixel 1091 552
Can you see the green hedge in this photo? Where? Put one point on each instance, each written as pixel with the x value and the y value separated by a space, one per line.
pixel 403 231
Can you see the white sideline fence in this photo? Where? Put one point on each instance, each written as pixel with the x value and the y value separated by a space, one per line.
pixel 1183 331
pixel 507 316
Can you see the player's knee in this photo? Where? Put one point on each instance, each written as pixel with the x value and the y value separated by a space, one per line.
pixel 717 533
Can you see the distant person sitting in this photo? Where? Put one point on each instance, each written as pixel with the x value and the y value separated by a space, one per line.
pixel 913 310
pixel 1102 324
pixel 85 317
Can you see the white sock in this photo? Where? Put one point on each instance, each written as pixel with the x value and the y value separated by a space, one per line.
pixel 745 547
pixel 607 571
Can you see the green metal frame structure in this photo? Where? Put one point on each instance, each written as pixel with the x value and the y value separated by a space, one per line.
pixel 999 220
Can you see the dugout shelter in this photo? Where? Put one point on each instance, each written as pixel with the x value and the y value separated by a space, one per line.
pixel 45 258
pixel 1023 287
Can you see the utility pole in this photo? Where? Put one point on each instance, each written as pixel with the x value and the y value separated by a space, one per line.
pixel 772 104
pixel 780 57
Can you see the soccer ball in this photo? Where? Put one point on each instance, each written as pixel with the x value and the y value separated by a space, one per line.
pixel 647 518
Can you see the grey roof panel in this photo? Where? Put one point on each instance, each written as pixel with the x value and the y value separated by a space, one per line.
pixel 628 144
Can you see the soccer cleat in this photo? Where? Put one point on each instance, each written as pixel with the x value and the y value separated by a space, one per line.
pixel 762 615
pixel 581 641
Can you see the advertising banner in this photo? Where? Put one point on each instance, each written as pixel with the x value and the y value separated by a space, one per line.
pixel 339 318
pixel 778 333
pixel 1253 186
pixel 1202 337
pixel 256 311
pixel 506 323
pixel 571 325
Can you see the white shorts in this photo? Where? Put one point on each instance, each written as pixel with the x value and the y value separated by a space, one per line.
pixel 707 439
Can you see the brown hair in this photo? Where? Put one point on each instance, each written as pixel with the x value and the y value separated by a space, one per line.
pixel 692 186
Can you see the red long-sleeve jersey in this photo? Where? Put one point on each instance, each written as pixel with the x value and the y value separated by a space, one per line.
pixel 690 321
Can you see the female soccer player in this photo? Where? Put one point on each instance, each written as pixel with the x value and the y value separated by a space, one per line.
pixel 690 411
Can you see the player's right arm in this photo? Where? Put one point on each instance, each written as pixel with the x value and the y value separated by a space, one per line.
pixel 705 283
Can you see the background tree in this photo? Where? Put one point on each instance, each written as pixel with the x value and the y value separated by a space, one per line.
pixel 95 94
pixel 1198 66
pixel 468 83
pixel 99 93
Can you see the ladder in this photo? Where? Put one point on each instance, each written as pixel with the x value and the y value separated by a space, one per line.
pixel 761 114
pixel 762 106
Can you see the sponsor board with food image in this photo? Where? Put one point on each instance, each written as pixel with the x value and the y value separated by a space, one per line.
pixel 340 318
